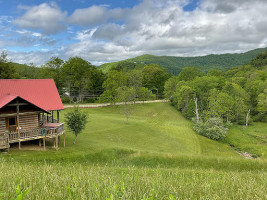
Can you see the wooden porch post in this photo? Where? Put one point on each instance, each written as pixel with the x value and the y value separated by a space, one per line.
pixel 52 116
pixel 57 116
pixel 43 119
pixel 18 123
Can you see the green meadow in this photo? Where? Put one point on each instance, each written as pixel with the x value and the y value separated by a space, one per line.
pixel 157 155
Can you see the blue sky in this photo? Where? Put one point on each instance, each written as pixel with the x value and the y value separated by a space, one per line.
pixel 110 30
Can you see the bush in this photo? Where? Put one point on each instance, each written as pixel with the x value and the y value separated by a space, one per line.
pixel 89 100
pixel 260 117
pixel 213 128
pixel 65 99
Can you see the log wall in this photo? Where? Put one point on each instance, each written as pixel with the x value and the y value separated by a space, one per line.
pixel 2 125
pixel 29 121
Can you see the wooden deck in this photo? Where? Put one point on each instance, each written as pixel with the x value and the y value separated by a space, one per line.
pixel 50 131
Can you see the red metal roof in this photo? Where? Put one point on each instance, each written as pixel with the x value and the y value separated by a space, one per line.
pixel 40 92
pixel 6 99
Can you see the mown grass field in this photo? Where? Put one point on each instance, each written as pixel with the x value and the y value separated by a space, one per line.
pixel 156 156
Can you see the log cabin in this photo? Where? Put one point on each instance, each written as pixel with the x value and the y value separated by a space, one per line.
pixel 29 110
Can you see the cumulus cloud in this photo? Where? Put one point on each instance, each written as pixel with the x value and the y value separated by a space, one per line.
pixel 46 17
pixel 95 14
pixel 166 29
pixel 88 16
pixel 109 32
pixel 159 27
pixel 226 6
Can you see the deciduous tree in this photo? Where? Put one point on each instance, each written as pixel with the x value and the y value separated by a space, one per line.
pixel 7 70
pixel 154 78
pixel 52 69
pixel 126 95
pixel 76 121
pixel 262 103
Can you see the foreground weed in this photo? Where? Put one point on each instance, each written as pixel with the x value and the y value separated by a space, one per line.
pixel 21 194
pixel 71 192
pixel 111 197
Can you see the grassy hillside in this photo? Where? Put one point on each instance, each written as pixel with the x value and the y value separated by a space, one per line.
pixel 252 139
pixel 156 156
pixel 154 129
pixel 175 64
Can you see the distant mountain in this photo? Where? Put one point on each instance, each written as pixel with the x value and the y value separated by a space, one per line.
pixel 175 64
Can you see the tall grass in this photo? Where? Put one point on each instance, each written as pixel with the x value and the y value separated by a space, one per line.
pixel 77 181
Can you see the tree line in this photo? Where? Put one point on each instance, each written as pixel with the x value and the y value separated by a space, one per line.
pixel 78 78
pixel 217 98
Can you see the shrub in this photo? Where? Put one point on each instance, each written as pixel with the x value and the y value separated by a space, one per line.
pixel 89 100
pixel 65 99
pixel 213 128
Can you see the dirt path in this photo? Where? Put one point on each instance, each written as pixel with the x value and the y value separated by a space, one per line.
pixel 97 105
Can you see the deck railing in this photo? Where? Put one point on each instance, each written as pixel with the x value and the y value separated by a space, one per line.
pixel 60 129
pixel 36 133
pixel 55 131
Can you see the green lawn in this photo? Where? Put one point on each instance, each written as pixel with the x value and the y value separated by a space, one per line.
pixel 154 129
pixel 156 156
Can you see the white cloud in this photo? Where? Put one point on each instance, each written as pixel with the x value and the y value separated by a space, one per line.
pixel 88 16
pixel 37 34
pixel 159 27
pixel 46 17
pixel 166 29
pixel 95 15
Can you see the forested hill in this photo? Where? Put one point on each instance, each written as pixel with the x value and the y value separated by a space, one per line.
pixel 174 64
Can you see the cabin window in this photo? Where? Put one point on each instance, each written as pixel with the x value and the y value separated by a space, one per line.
pixel 12 124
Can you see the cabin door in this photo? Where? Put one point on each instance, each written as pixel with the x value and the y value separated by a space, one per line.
pixel 12 124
